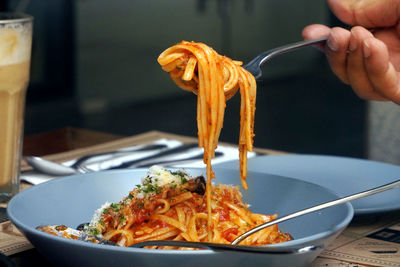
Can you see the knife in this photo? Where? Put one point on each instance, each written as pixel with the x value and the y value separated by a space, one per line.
pixel 150 147
pixel 171 151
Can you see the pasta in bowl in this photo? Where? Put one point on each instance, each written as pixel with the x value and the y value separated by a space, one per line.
pixel 171 205
pixel 73 200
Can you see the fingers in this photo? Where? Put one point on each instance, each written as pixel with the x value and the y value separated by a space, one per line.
pixel 344 10
pixel 382 75
pixel 335 48
pixel 360 60
pixel 357 74
pixel 337 52
pixel 315 31
pixel 367 13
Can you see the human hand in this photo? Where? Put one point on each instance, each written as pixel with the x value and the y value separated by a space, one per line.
pixel 367 60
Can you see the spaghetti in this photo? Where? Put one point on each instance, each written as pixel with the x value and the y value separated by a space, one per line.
pixel 196 67
pixel 177 210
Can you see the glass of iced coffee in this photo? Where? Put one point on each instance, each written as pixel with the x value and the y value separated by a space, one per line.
pixel 15 55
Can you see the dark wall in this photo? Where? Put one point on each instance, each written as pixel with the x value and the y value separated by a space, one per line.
pixel 94 66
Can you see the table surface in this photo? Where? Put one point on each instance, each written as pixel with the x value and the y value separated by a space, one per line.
pixel 69 143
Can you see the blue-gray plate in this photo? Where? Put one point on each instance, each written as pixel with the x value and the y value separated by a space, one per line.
pixel 72 200
pixel 343 175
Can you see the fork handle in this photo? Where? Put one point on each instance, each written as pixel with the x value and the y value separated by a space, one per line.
pixel 254 65
pixel 291 47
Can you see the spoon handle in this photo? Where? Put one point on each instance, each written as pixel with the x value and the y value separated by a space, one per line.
pixel 325 205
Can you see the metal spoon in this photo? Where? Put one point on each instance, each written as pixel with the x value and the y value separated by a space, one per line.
pixel 49 167
pixel 53 168
pixel 254 66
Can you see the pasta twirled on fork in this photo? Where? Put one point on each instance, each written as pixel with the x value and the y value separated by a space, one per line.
pixel 196 67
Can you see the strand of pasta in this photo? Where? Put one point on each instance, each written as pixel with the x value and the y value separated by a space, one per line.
pixel 181 67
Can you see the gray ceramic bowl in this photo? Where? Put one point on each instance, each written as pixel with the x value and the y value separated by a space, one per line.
pixel 72 200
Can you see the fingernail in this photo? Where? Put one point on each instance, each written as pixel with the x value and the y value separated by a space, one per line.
pixel 366 49
pixel 352 43
pixel 332 43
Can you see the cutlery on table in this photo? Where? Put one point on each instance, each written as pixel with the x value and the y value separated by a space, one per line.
pixel 49 167
pixel 176 150
pixel 155 161
pixel 121 152
pixel 57 169
pixel 53 168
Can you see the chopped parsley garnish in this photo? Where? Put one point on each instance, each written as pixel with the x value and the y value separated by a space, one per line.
pixel 148 188
pixel 94 231
pixel 154 183
pixel 182 175
pixel 178 173
pixel 183 180
pixel 115 206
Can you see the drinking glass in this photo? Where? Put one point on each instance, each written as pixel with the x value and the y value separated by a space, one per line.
pixel 15 57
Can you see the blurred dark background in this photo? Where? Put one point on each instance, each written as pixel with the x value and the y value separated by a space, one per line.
pixel 94 66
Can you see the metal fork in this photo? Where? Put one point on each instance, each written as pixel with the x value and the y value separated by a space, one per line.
pixel 254 66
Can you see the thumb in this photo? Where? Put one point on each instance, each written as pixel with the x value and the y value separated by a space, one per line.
pixel 366 13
